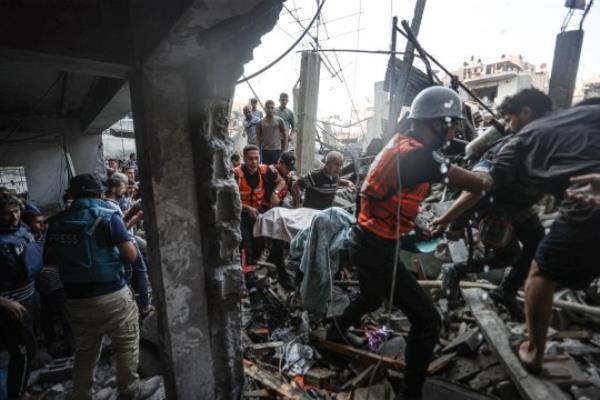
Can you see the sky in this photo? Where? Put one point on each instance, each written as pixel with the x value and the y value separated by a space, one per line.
pixel 451 30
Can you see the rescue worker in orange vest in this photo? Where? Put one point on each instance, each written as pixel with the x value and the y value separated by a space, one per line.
pixel 259 187
pixel 396 184
pixel 285 166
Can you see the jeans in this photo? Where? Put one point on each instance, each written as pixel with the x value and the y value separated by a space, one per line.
pixel 253 246
pixel 374 258
pixel 269 157
pixel 115 315
pixel 18 338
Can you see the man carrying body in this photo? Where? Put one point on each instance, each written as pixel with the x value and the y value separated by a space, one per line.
pixel 288 117
pixel 320 185
pixel 250 122
pixel 90 245
pixel 271 135
pixel 20 262
pixel 510 203
pixel 397 182
pixel 546 155
pixel 285 166
pixel 259 187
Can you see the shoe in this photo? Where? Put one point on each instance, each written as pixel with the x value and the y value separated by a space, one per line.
pixel 507 300
pixel 286 280
pixel 335 335
pixel 450 282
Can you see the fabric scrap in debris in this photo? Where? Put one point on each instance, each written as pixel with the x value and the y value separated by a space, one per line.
pixel 299 358
pixel 318 248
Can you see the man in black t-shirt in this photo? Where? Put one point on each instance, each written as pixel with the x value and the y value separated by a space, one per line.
pixel 320 185
pixel 511 203
pixel 546 155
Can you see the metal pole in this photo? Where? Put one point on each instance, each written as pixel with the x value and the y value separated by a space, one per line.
pixel 398 98
pixel 392 77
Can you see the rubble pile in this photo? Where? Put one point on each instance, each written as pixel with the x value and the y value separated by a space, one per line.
pixel 287 356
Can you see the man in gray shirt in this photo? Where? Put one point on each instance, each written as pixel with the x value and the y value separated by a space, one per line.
pixel 271 135
pixel 250 122
pixel 288 117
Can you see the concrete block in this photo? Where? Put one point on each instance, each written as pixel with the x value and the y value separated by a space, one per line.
pixel 465 344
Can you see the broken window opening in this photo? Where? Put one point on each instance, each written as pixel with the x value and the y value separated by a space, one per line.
pixel 14 179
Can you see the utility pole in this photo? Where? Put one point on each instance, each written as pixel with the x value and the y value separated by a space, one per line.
pixel 392 78
pixel 564 67
pixel 310 68
pixel 566 57
pixel 400 84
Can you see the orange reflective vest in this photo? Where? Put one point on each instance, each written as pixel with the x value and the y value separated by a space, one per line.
pixel 252 197
pixel 379 195
pixel 287 187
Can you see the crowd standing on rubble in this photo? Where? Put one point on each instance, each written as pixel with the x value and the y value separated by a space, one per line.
pixel 81 271
pixel 541 152
pixel 85 267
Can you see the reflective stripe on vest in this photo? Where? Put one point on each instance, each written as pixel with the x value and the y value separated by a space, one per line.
pixel 379 199
pixel 252 197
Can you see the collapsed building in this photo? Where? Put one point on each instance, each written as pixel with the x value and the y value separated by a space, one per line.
pixel 70 71
pixel 176 68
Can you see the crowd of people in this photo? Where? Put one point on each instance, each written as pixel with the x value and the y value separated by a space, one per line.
pixel 542 152
pixel 85 266
pixel 80 275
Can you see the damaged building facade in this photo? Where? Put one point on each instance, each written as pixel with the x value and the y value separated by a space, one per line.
pixel 494 81
pixel 69 72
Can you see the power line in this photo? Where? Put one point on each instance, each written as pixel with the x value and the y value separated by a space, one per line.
pixel 285 53
pixel 328 64
pixel 383 52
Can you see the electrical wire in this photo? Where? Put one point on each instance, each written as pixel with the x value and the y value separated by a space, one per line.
pixel 285 53
pixel 394 275
pixel 316 46
pixel 345 83
pixel 585 13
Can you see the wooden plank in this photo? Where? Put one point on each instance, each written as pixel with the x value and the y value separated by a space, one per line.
pixel 361 354
pixel 493 328
pixel 273 382
pixel 374 358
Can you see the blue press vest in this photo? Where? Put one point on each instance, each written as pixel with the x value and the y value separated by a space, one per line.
pixel 20 258
pixel 73 236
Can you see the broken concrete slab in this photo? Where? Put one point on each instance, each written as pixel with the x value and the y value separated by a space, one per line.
pixel 465 344
pixel 497 335
pixel 566 372
pixel 488 377
pixel 463 370
pixel 437 389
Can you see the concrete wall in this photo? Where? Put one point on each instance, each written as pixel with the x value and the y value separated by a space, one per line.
pixel 46 166
pixel 45 169
pixel 381 104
